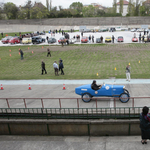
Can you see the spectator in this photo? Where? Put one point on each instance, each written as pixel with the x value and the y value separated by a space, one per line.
pixel 128 73
pixel 21 53
pixel 55 68
pixel 113 38
pixel 145 125
pixel 90 39
pixel 61 66
pixel 47 38
pixel 101 39
pixel 93 38
pixel 48 52
pixel 43 68
pixel 2 34
pixel 82 33
pixel 140 38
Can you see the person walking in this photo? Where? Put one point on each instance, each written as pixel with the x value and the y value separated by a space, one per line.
pixel 21 53
pixel 55 68
pixel 43 67
pixel 128 73
pixel 48 52
pixel 89 38
pixel 145 125
pixel 93 38
pixel 61 66
pixel 113 39
pixel 101 39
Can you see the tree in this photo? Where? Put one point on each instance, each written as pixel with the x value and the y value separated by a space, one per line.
pixel 10 10
pixel 131 8
pixel 28 7
pixel 77 6
pixel 114 7
pixel 47 5
pixel 121 7
pixel 88 11
pixel 137 5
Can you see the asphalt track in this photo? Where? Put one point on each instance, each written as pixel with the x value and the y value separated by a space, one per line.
pixel 53 89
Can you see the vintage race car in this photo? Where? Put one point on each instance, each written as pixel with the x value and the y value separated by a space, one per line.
pixel 106 90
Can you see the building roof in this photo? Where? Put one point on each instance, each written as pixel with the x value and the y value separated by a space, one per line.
pixel 39 5
pixel 124 3
pixel 147 2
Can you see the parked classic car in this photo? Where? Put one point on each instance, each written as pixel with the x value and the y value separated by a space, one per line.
pixel 72 41
pixel 37 39
pixel 26 40
pixel 134 39
pixel 107 90
pixel 120 39
pixel 6 39
pixel 62 40
pixel 108 39
pixel 14 40
pixel 84 39
pixel 51 40
pixel 98 40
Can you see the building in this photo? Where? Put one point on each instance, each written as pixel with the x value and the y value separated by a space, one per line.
pixel 96 5
pixel 125 7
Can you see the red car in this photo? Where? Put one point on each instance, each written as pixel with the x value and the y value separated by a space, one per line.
pixel 120 39
pixel 62 40
pixel 14 40
pixel 84 39
pixel 6 39
pixel 134 39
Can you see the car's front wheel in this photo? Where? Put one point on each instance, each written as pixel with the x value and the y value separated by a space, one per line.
pixel 124 97
pixel 86 97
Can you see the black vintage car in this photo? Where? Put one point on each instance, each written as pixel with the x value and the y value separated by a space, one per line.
pixel 98 40
pixel 37 40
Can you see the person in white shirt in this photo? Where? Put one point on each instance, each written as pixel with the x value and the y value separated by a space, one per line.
pixel 55 68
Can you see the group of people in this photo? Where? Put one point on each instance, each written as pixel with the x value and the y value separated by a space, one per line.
pixel 55 66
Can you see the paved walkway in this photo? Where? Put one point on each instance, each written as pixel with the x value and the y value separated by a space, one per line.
pixel 89 81
pixel 72 143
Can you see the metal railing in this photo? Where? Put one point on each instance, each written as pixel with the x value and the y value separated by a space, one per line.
pixel 60 112
pixel 61 100
pixel 71 113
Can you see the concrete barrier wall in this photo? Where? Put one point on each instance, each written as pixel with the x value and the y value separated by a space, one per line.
pixel 30 25
pixel 70 127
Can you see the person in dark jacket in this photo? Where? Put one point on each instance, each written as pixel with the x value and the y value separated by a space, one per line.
pixel 94 86
pixel 43 67
pixel 61 66
pixel 145 125
pixel 21 53
pixel 48 52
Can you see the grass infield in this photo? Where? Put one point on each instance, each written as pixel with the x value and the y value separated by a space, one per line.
pixel 86 61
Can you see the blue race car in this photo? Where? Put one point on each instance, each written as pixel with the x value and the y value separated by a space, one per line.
pixel 106 90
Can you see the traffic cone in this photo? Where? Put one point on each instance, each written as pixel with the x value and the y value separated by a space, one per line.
pixel 0 58
pixel 28 47
pixel 42 46
pixel 29 87
pixel 9 54
pixel 2 87
pixel 64 87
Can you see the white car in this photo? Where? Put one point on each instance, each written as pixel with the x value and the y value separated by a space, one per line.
pixel 133 30
pixel 72 41
pixel 140 30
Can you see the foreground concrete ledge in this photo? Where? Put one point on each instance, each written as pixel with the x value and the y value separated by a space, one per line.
pixel 69 121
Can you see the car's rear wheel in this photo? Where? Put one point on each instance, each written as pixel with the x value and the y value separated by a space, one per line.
pixel 86 97
pixel 124 97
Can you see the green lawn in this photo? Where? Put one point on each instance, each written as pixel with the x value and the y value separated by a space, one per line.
pixel 80 61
